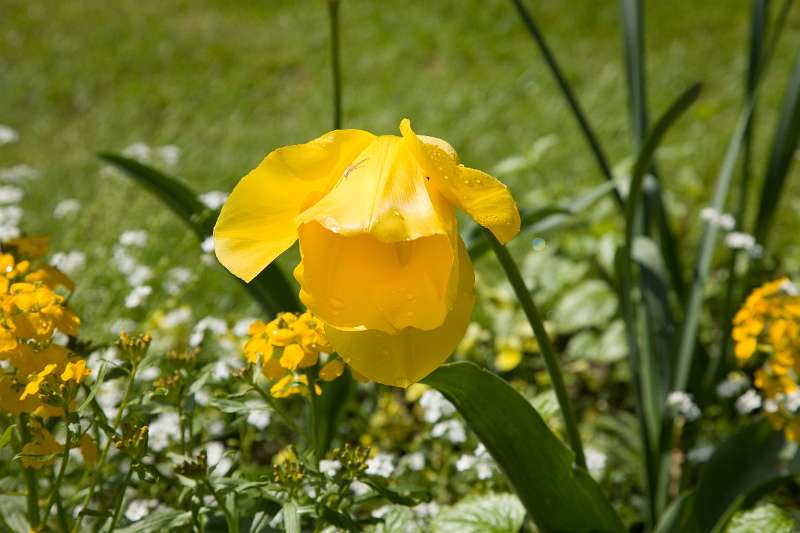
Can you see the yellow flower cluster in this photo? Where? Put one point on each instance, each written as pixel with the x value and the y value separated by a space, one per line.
pixel 767 328
pixel 285 346
pixel 31 311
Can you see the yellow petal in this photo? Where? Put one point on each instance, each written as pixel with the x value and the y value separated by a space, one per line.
pixel 291 357
pixel 384 193
pixel 272 369
pixel 478 194
pixel 359 281
pixel 410 355
pixel 256 224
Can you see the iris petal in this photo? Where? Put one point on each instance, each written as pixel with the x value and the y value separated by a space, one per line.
pixel 359 281
pixel 480 195
pixel 257 223
pixel 411 354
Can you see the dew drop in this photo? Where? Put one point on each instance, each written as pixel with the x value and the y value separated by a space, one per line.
pixel 538 244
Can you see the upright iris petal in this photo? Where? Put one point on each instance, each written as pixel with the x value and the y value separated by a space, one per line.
pixel 382 262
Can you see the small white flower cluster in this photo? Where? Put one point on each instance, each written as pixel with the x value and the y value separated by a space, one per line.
pixel 596 461
pixel 724 221
pixel 168 155
pixel 10 212
pixel 700 454
pixel 258 416
pixel 381 465
pixel 138 509
pixel 733 384
pixel 790 402
pixel 18 173
pixel 213 199
pixel 215 325
pixel 66 208
pixel 684 405
pixel 329 467
pixel 137 275
pixel 735 240
pixel 435 406
pixel 215 454
pixel 177 317
pixel 162 430
pixel 479 460
pixel 8 135
pixel 69 262
pixel 748 402
pixel 175 279
pixel 451 430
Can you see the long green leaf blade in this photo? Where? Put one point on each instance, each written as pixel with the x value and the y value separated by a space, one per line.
pixel 271 288
pixel 747 461
pixel 558 495
pixel 784 145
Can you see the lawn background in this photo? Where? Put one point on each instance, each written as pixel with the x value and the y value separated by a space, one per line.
pixel 229 81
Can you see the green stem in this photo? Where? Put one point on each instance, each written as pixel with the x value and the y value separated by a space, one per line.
pixel 333 16
pixel 277 409
pixel 31 483
pixel 233 525
pixel 569 95
pixel 121 497
pixel 550 359
pixel 54 490
pixel 104 454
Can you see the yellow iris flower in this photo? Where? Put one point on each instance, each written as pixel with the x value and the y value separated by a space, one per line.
pixel 382 263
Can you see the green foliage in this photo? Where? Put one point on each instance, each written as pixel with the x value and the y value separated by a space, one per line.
pixel 558 495
pixel 767 517
pixel 494 513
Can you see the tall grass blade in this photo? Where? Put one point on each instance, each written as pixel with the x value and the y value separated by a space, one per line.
pixel 569 95
pixel 784 145
pixel 646 384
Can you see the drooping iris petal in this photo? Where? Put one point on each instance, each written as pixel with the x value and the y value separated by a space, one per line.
pixel 256 223
pixel 411 354
pixel 481 196
pixel 379 249
pixel 383 193
pixel 359 281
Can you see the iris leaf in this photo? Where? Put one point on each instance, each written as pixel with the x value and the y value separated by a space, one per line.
pixel 740 469
pixel 558 495
pixel 271 288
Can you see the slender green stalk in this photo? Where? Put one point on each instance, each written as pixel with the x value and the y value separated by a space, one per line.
pixel 233 525
pixel 277 409
pixel 104 454
pixel 31 483
pixel 120 498
pixel 572 101
pixel 546 348
pixel 54 490
pixel 333 16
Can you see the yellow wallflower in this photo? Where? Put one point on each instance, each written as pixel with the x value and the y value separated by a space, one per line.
pixel 75 371
pixel 768 326
pixel 33 385
pixel 382 263
pixel 332 370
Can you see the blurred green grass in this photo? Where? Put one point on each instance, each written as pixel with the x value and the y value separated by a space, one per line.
pixel 229 81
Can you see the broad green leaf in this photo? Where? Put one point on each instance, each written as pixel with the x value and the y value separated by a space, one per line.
pixel 493 513
pixel 592 303
pixel 271 288
pixel 743 464
pixel 767 517
pixel 398 519
pixel 558 495
pixel 782 154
